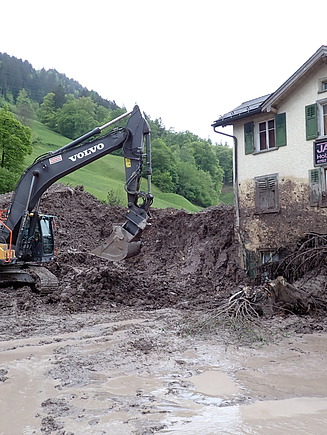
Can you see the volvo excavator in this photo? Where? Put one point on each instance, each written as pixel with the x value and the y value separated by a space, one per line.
pixel 27 235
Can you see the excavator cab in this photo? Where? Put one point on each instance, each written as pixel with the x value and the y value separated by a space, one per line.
pixel 38 239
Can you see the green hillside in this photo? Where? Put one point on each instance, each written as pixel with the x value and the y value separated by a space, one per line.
pixel 102 176
pixel 183 163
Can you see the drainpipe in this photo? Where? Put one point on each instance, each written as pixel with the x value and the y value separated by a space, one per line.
pixel 236 192
pixel 235 177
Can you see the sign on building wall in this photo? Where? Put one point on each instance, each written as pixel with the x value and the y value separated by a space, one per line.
pixel 320 153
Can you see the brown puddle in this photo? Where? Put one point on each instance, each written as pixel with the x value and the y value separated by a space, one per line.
pixel 120 389
pixel 129 385
pixel 214 383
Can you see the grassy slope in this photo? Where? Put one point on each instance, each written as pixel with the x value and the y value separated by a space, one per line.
pixel 101 176
pixel 227 194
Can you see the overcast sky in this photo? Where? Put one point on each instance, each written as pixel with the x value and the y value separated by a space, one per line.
pixel 184 61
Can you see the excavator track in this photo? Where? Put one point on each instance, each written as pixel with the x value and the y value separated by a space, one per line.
pixel 38 277
pixel 45 281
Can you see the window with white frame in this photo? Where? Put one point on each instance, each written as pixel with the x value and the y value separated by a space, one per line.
pixel 267 256
pixel 323 116
pixel 322 85
pixel 316 114
pixel 266 135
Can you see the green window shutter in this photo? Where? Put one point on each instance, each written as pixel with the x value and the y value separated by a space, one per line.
pixel 311 121
pixel 280 123
pixel 315 188
pixel 249 137
pixel 251 263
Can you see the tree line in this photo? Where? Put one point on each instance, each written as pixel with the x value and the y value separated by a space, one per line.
pixel 183 163
pixel 16 74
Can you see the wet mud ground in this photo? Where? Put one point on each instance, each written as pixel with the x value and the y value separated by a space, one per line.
pixel 132 348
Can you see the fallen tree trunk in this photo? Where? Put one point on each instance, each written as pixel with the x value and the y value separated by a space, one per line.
pixel 288 298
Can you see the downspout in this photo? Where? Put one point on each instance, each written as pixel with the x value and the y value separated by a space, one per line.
pixel 235 178
pixel 237 201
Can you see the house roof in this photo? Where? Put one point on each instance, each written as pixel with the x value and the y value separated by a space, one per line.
pixel 242 111
pixel 264 104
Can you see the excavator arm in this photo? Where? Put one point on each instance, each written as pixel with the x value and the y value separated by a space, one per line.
pixel 134 140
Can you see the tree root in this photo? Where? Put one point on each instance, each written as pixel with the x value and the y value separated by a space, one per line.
pixel 243 311
pixel 276 296
pixel 311 253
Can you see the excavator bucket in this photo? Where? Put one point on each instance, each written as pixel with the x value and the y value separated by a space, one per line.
pixel 118 245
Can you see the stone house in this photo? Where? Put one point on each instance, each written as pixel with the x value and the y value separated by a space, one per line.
pixel 280 164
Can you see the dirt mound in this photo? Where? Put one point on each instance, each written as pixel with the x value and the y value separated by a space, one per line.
pixel 82 221
pixel 186 260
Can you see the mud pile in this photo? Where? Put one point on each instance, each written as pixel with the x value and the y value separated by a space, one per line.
pixel 187 260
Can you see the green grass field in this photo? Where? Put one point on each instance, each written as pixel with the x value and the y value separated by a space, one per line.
pixel 102 176
pixel 227 194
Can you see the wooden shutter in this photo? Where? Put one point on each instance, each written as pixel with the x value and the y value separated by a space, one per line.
pixel 311 121
pixel 280 123
pixel 249 137
pixel 315 186
pixel 266 194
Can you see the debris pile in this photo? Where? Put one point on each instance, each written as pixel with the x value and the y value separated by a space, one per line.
pixel 187 260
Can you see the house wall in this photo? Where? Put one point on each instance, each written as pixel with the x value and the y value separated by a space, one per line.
pixel 297 156
pixel 275 231
pixel 282 230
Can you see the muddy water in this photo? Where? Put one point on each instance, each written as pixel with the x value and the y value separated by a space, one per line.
pixel 136 377
pixel 307 415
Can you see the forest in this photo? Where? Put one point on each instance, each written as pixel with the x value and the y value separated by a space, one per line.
pixel 183 163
